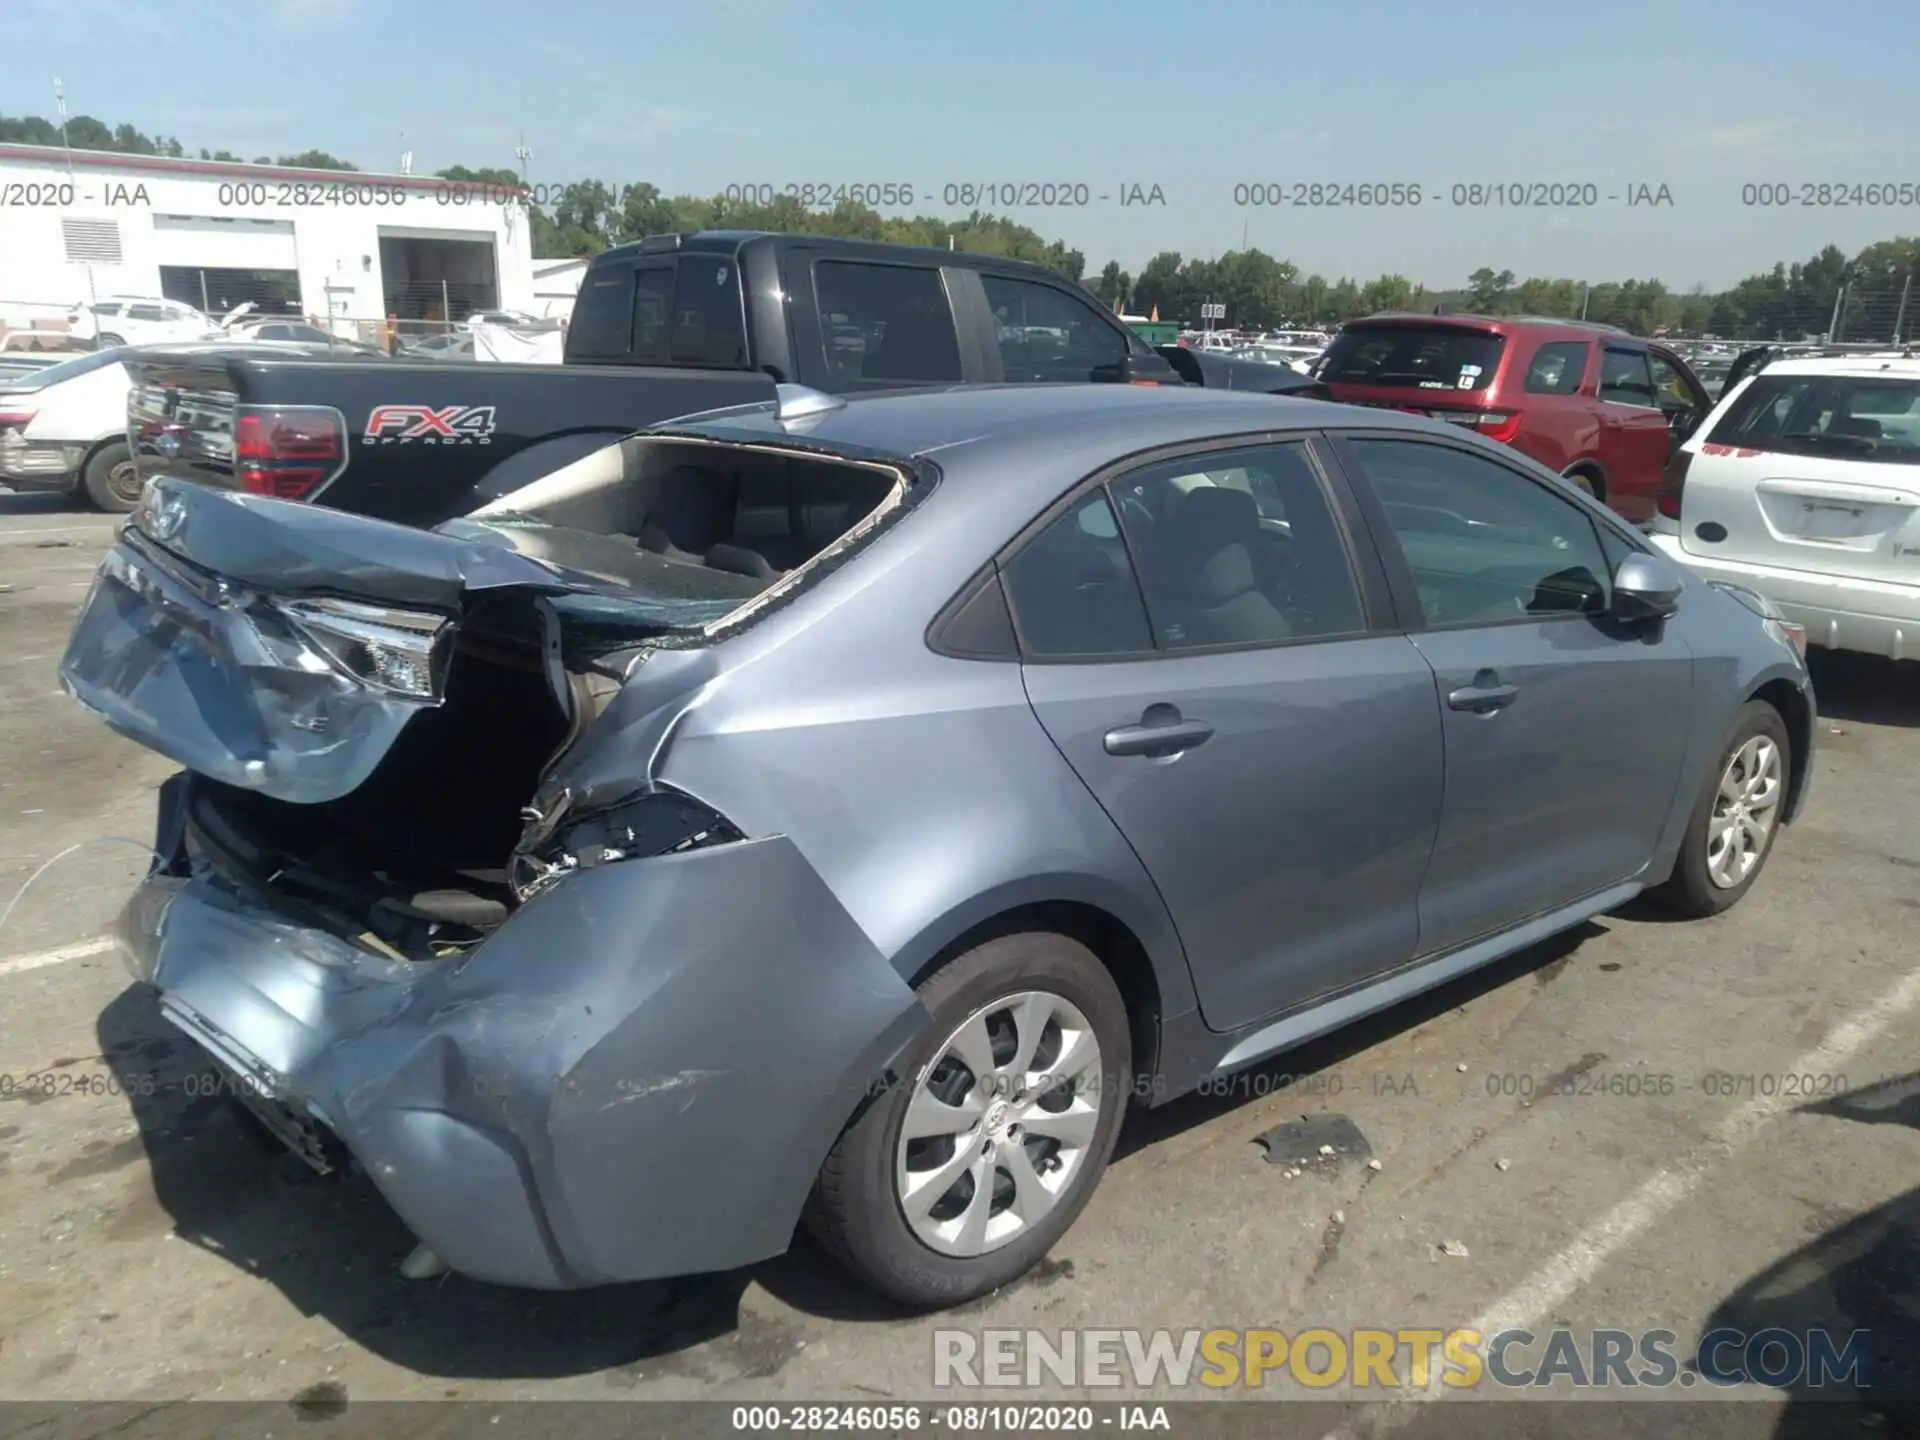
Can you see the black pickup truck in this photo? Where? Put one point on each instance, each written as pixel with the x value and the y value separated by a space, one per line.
pixel 661 328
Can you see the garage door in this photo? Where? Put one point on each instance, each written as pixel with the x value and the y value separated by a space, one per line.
pixel 224 243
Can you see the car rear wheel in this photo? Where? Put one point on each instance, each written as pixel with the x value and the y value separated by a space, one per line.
pixel 111 480
pixel 1735 821
pixel 960 1177
pixel 107 341
pixel 1582 480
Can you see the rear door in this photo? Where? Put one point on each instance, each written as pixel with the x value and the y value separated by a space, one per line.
pixel 1634 439
pixel 1241 704
pixel 1817 472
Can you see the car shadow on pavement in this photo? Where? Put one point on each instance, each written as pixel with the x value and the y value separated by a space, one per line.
pixel 32 502
pixel 1865 689
pixel 1862 1274
pixel 333 1247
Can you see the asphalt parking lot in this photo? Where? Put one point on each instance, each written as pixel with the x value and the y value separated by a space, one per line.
pixel 1557 1124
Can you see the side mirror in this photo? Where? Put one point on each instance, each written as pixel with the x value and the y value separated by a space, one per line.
pixel 1646 587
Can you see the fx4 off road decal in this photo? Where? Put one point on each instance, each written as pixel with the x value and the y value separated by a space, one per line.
pixel 425 425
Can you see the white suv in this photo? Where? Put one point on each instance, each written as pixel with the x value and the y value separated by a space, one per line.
pixel 1804 484
pixel 139 320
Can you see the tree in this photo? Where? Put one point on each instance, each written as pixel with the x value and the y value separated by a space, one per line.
pixel 315 160
pixel 1487 290
pixel 1114 287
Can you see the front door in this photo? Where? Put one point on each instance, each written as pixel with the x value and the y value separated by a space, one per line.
pixel 1271 753
pixel 1565 729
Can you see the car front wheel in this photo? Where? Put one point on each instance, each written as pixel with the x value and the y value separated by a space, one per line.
pixel 111 480
pixel 960 1177
pixel 1734 823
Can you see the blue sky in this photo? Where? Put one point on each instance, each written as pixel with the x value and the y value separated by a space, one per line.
pixel 1194 96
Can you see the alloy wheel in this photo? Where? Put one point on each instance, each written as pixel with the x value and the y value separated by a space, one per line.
pixel 999 1123
pixel 1744 811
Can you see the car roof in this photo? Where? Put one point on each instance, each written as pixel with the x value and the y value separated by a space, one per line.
pixel 1901 366
pixel 1120 418
pixel 830 247
pixel 1501 324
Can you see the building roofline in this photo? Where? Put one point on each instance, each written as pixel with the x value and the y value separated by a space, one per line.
pixel 58 156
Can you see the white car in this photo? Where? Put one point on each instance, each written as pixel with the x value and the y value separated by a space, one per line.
pixel 1804 485
pixel 139 320
pixel 65 429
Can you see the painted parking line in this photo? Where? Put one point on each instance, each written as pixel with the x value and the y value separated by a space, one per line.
pixel 1542 1294
pixel 17 964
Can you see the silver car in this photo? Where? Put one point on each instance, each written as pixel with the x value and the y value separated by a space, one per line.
pixel 838 812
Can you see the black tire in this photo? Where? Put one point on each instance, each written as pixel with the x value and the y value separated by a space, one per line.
pixel 110 480
pixel 1690 891
pixel 1583 480
pixel 107 341
pixel 854 1212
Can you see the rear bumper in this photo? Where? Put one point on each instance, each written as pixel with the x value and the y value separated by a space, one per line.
pixel 39 464
pixel 619 1085
pixel 1870 616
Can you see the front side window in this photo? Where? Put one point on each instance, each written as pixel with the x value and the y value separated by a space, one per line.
pixel 1046 335
pixel 1626 378
pixel 1485 543
pixel 886 322
pixel 1239 548
pixel 1073 589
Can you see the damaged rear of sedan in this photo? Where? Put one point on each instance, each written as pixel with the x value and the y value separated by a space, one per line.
pixel 511 861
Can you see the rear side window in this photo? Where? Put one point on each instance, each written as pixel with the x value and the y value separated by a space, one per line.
pixel 886 322
pixel 1626 378
pixel 1413 357
pixel 1073 587
pixel 1557 368
pixel 1838 416
pixel 602 314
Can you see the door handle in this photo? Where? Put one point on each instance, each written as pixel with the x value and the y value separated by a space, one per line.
pixel 1483 698
pixel 1158 739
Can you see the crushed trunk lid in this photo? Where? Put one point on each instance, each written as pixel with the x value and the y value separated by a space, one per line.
pixel 282 648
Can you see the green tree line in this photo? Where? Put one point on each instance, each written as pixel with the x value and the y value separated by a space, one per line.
pixel 1259 290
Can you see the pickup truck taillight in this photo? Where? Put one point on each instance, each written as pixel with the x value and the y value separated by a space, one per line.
pixel 1672 482
pixel 15 418
pixel 288 451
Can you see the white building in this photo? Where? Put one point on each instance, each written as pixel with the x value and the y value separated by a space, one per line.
pixel 555 284
pixel 347 246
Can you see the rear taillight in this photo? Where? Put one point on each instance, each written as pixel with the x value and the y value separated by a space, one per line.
pixel 288 451
pixel 15 419
pixel 1501 425
pixel 1672 483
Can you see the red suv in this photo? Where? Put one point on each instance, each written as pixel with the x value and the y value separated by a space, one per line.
pixel 1604 408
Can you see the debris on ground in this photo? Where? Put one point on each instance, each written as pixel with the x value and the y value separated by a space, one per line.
pixel 1314 1142
pixel 1453 1248
pixel 1503 1164
pixel 1461 1067
pixel 1375 1165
